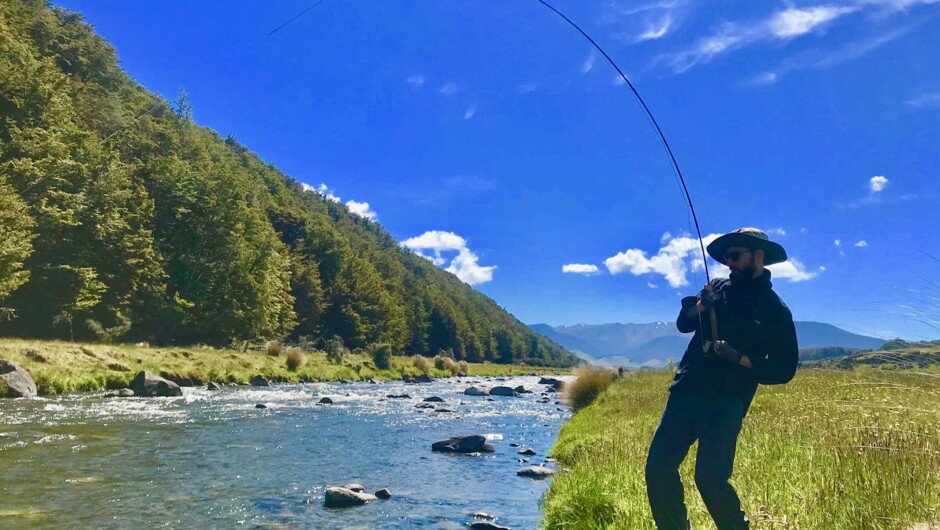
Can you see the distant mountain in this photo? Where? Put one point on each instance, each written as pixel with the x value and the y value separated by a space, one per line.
pixel 652 344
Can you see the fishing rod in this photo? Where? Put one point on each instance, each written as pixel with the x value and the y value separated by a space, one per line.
pixel 649 115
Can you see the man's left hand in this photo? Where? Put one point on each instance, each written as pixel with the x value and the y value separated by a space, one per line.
pixel 722 350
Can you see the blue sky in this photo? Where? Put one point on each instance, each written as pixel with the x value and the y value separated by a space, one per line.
pixel 488 136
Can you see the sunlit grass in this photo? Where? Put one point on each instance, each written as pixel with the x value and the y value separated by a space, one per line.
pixel 589 384
pixel 61 367
pixel 831 450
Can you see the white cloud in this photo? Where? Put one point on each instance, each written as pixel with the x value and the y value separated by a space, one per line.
pixel 465 265
pixel 469 113
pixel 618 80
pixel 361 209
pixel 656 30
pixel 793 270
pixel 925 100
pixel 766 78
pixel 526 89
pixel 787 24
pixel 327 193
pixel 307 187
pixel 777 231
pixel 652 285
pixel 416 80
pixel 680 255
pixel 579 268
pixel 589 62
pixel 862 244
pixel 837 242
pixel 877 183
pixel 449 88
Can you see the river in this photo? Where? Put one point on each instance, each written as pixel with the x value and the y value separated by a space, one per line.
pixel 214 460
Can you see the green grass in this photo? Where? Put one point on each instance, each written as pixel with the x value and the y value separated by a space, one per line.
pixel 61 367
pixel 831 450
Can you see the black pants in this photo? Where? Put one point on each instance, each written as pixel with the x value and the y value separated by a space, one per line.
pixel 715 423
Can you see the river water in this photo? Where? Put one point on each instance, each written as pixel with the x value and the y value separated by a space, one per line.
pixel 214 460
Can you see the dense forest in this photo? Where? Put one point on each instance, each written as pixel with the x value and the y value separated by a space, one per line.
pixel 123 220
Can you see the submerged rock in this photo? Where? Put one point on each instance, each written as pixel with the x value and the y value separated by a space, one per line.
pixel 259 380
pixel 502 391
pixel 472 443
pixel 434 399
pixel 475 391
pixel 261 406
pixel 125 392
pixel 149 384
pixel 325 401
pixel 537 472
pixel 15 381
pixel 398 396
pixel 487 525
pixel 527 451
pixel 213 386
pixel 337 497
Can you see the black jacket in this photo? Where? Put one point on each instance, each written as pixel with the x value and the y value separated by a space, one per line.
pixel 755 322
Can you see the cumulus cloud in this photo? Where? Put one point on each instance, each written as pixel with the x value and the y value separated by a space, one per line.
pixel 837 242
pixel 678 256
pixel 877 183
pixel 777 231
pixel 327 193
pixel 465 265
pixel 862 244
pixel 361 209
pixel 579 268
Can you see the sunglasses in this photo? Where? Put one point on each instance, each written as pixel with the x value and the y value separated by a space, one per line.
pixel 735 255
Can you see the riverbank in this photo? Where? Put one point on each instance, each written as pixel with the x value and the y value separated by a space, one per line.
pixel 62 367
pixel 829 450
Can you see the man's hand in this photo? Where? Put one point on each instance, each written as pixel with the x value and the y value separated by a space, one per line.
pixel 722 350
pixel 707 297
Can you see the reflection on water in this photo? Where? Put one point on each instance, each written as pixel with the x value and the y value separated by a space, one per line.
pixel 213 459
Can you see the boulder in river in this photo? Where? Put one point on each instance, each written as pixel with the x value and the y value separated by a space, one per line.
pixel 538 472
pixel 325 401
pixel 483 516
pixel 424 406
pixel 487 525
pixel 213 386
pixel 502 391
pixel 261 406
pixel 125 392
pixel 258 380
pixel 434 399
pixel 149 384
pixel 15 381
pixel 358 488
pixel 423 378
pixel 337 497
pixel 384 494
pixel 527 451
pixel 522 390
pixel 398 396
pixel 472 443
pixel 475 391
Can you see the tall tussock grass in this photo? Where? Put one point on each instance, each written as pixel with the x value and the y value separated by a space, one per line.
pixel 295 359
pixel 421 363
pixel 590 383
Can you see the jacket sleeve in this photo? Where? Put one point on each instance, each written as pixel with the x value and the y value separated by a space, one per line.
pixel 781 353
pixel 685 323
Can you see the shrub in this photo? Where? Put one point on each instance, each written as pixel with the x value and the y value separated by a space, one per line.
pixel 273 347
pixel 590 383
pixel 295 359
pixel 382 356
pixel 451 365
pixel 462 368
pixel 421 363
pixel 335 350
pixel 439 363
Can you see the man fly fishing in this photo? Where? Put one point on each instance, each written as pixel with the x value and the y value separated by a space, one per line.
pixel 744 336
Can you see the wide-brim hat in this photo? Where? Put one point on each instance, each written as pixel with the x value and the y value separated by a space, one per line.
pixel 751 238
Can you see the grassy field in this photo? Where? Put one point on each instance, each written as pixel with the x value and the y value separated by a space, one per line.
pixel 832 450
pixel 60 367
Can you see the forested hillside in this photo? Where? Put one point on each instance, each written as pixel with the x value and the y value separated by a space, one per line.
pixel 122 220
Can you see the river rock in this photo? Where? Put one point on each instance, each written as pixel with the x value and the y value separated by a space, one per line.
pixel 15 381
pixel 149 384
pixel 550 381
pixel 125 392
pixel 442 409
pixel 384 494
pixel 261 406
pixel 472 443
pixel 213 386
pixel 424 406
pixel 398 396
pixel 482 515
pixel 527 451
pixel 423 378
pixel 522 390
pixel 358 488
pixel 259 380
pixel 537 472
pixel 475 391
pixel 487 525
pixel 325 401
pixel 337 497
pixel 434 399
pixel 502 391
